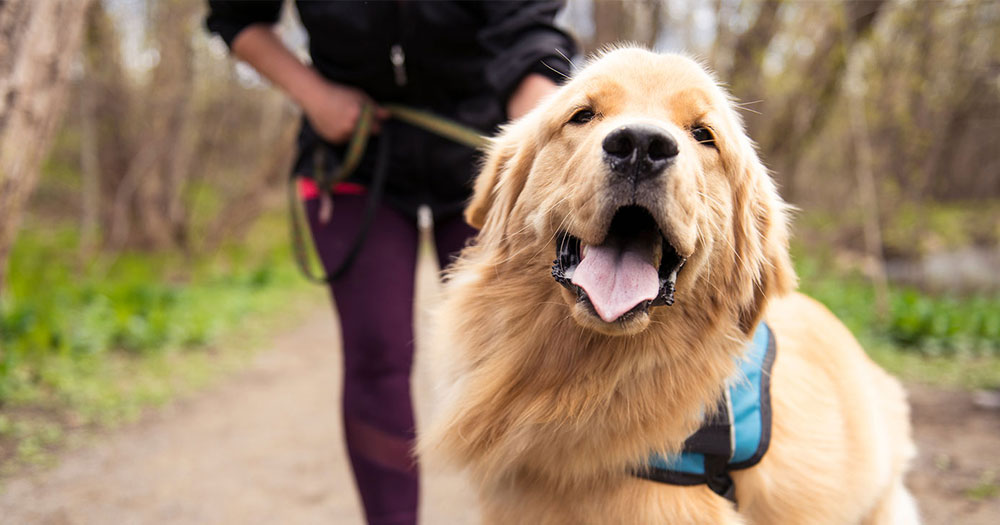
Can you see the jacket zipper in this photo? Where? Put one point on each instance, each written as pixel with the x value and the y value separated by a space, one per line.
pixel 398 59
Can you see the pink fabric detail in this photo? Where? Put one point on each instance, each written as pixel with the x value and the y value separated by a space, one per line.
pixel 309 190
pixel 349 188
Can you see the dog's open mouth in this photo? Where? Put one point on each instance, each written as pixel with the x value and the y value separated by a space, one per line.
pixel 633 269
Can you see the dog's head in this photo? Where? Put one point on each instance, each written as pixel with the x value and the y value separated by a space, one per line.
pixel 638 179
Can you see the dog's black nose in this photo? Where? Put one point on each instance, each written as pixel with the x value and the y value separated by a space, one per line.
pixel 639 151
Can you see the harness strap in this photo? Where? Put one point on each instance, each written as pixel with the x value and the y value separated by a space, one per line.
pixel 734 436
pixel 715 441
pixel 717 476
pixel 715 436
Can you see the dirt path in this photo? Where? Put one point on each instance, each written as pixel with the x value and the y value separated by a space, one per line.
pixel 265 447
pixel 956 478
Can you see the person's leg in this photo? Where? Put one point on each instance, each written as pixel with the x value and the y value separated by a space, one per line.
pixel 450 236
pixel 375 302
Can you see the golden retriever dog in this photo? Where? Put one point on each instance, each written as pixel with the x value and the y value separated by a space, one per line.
pixel 671 246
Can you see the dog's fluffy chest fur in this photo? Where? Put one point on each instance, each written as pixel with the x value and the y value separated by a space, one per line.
pixel 553 408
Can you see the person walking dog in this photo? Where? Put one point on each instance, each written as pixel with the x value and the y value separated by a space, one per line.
pixel 477 64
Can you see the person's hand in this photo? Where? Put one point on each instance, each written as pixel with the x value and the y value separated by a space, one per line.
pixel 532 89
pixel 333 111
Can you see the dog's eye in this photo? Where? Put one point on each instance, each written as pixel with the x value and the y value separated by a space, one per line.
pixel 703 135
pixel 582 117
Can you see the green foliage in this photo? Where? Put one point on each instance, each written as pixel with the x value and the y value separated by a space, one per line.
pixel 82 335
pixel 945 326
pixel 939 339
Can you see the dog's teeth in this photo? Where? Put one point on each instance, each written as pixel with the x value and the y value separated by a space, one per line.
pixel 583 251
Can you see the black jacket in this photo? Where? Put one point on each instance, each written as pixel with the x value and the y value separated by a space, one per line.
pixel 462 60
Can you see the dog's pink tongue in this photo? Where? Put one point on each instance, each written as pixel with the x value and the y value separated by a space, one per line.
pixel 615 280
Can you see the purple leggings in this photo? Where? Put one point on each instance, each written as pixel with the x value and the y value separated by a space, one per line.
pixel 374 300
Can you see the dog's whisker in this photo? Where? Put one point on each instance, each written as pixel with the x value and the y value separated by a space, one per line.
pixel 556 71
pixel 712 200
pixel 742 106
pixel 568 59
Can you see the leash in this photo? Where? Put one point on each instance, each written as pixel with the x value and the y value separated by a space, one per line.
pixel 356 147
pixel 438 125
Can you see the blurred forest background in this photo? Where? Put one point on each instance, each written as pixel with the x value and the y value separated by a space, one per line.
pixel 142 175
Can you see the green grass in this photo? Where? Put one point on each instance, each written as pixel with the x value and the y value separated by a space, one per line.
pixel 986 488
pixel 942 340
pixel 94 343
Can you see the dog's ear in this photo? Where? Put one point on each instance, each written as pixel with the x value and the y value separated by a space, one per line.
pixel 484 191
pixel 761 243
pixel 503 175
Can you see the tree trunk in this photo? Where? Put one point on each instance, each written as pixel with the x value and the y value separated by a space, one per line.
pixel 618 21
pixel 38 42
pixel 744 76
pixel 158 202
pixel 239 213
pixel 804 114
pixel 855 91
pixel 90 160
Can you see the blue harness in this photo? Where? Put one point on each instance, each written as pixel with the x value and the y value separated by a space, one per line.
pixel 735 437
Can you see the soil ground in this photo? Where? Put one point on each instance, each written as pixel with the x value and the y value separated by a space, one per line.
pixel 262 447
pixel 265 447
